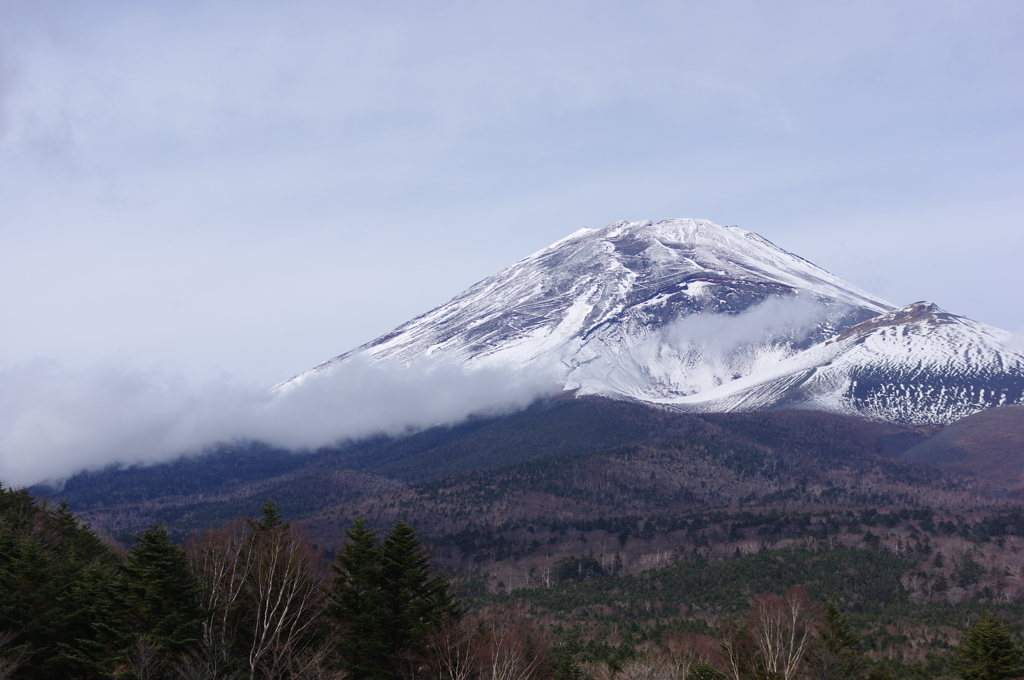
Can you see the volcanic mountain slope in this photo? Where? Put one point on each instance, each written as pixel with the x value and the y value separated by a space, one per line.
pixel 692 315
pixel 660 461
pixel 989 445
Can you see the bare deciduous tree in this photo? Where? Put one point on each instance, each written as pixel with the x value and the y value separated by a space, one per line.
pixel 216 560
pixel 511 649
pixel 499 644
pixel 452 654
pixel 596 670
pixel 683 650
pixel 286 598
pixel 144 660
pixel 10 662
pixel 738 650
pixel 651 667
pixel 197 666
pixel 678 654
pixel 781 628
pixel 263 592
pixel 312 664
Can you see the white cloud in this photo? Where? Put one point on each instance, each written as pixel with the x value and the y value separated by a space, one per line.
pixel 56 421
pixel 776 318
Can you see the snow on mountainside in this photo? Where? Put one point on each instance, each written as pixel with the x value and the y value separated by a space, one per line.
pixel 692 315
pixel 918 364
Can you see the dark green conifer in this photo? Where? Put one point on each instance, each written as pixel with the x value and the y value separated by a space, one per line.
pixel 52 575
pixel 357 601
pixel 387 599
pixel 157 598
pixel 987 652
pixel 418 599
pixel 880 674
pixel 271 515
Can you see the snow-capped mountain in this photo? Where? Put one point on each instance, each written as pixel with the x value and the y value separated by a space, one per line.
pixel 917 364
pixel 692 315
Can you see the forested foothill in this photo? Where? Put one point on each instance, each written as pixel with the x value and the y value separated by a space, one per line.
pixel 583 540
pixel 253 599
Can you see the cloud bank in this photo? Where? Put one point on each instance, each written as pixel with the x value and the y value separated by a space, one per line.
pixel 55 421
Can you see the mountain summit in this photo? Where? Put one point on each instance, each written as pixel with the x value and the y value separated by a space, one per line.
pixel 691 315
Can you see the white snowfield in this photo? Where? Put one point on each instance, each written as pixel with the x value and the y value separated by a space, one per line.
pixel 691 315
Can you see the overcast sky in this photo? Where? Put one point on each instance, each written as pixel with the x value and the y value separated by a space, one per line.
pixel 253 187
pixel 240 190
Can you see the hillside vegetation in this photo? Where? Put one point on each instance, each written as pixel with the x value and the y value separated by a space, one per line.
pixel 619 533
pixel 255 599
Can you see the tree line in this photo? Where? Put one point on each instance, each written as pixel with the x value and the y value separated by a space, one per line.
pixel 253 599
pixel 248 600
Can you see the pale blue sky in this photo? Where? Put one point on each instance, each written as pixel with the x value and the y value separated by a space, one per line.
pixel 249 188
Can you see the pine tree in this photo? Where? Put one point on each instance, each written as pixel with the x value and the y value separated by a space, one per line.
pixel 418 600
pixel 52 576
pixel 388 600
pixel 271 515
pixel 164 591
pixel 357 600
pixel 988 653
pixel 156 600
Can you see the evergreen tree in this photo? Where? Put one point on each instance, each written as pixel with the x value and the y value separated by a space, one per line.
pixel 566 665
pixel 834 655
pixel 357 600
pixel 156 598
pixel 418 600
pixel 52 576
pixel 988 653
pixel 388 600
pixel 271 515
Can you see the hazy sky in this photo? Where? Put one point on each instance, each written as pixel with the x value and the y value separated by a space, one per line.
pixel 240 190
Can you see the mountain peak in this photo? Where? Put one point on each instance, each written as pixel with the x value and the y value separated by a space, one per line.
pixel 681 233
pixel 690 314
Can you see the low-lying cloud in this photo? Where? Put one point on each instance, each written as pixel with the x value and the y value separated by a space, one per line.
pixel 56 421
pixel 714 349
pixel 790 318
